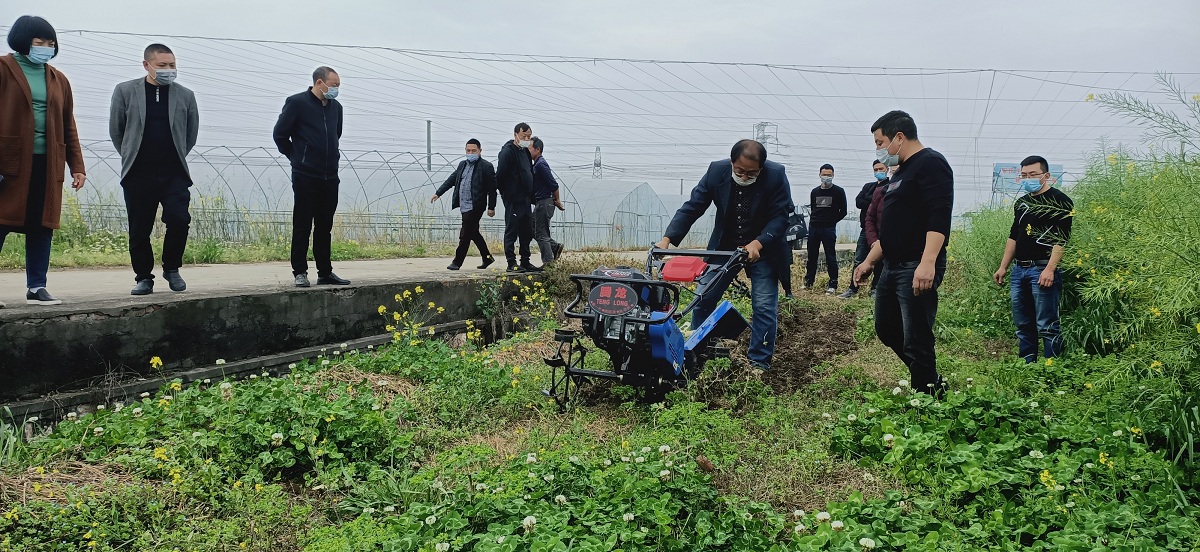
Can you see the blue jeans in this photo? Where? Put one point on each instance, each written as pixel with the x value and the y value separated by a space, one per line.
pixel 37 252
pixel 904 320
pixel 860 254
pixel 822 236
pixel 1035 311
pixel 764 299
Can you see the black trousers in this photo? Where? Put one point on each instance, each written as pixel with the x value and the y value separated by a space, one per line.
pixel 904 321
pixel 468 234
pixel 518 225
pixel 316 203
pixel 143 196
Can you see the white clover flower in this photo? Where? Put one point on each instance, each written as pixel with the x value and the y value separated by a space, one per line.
pixel 531 458
pixel 851 417
pixel 664 475
pixel 253 376
pixel 573 459
pixel 866 543
pixel 871 411
pixel 970 380
pixel 168 398
pixel 837 526
pixel 1036 454
pixel 1135 477
pixel 823 517
pixel 607 462
pixel 639 460
pixel 117 406
pixel 643 529
pixel 826 415
pixel 664 449
pixel 1089 465
pixel 337 352
pixel 368 510
pixel 32 419
pixel 800 528
pixel 266 374
pixel 1118 433
pixel 72 415
pixel 226 385
pixel 668 464
pixel 627 517
pixel 441 546
pixel 437 485
pixel 527 497
pixel 1060 393
pixel 1033 404
pixel 645 450
pixel 220 361
pixel 98 430
pixel 1077 481
pixel 145 395
pixel 1047 418
pixel 889 439
pixel 500 539
pixel 1059 488
pixel 548 477
pixel 100 407
pixel 325 362
pixel 431 520
pixel 480 487
pixel 560 499
pixel 276 439
pixel 902 383
pixel 292 366
pixel 798 514
pixel 137 412
pixel 897 391
pixel 624 458
pixel 915 402
pixel 528 523
pixel 389 509
pixel 345 345
pixel 1070 504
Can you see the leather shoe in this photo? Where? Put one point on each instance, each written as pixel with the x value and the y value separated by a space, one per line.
pixel 526 267
pixel 331 279
pixel 143 287
pixel 302 280
pixel 514 268
pixel 487 261
pixel 453 267
pixel 174 280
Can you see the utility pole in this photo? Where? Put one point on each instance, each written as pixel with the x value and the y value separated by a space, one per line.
pixel 428 145
pixel 597 166
pixel 766 133
pixel 680 186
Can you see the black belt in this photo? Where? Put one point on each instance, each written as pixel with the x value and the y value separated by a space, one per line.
pixel 1030 264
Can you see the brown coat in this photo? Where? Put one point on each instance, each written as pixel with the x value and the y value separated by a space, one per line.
pixel 16 142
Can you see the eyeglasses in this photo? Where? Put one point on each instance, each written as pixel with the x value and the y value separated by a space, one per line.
pixel 1031 175
pixel 747 174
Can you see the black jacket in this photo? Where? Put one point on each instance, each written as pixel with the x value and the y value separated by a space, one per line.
pixel 308 132
pixel 863 201
pixel 514 174
pixel 770 210
pixel 483 181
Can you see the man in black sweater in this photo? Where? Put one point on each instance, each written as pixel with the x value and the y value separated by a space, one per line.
pixel 863 202
pixel 827 208
pixel 474 183
pixel 307 132
pixel 914 228
pixel 514 178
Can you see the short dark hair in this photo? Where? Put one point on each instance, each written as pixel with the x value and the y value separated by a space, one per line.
pixel 896 121
pixel 521 127
pixel 752 150
pixel 155 49
pixel 537 144
pixel 1036 159
pixel 322 73
pixel 826 166
pixel 877 162
pixel 476 142
pixel 27 28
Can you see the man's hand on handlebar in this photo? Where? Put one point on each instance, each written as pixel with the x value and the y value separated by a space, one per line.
pixel 663 243
pixel 753 250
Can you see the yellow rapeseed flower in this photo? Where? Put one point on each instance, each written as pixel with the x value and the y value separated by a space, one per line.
pixel 1155 311
pixel 383 309
pixel 1049 362
pixel 396 316
pixel 156 362
pixel 397 298
pixel 1028 229
pixel 176 386
pixel 515 382
pixel 1112 159
pixel 160 453
pixel 432 304
pixel 441 310
pixel 1089 97
pixel 420 289
pixel 407 294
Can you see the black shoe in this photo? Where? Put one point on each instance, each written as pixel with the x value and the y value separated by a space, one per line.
pixel 848 294
pixel 302 280
pixel 514 268
pixel 454 266
pixel 42 297
pixel 174 280
pixel 526 267
pixel 872 294
pixel 143 287
pixel 487 261
pixel 558 250
pixel 2 305
pixel 331 279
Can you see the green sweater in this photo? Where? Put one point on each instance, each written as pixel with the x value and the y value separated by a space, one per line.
pixel 36 75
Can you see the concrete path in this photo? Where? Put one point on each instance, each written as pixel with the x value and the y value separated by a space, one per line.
pixel 110 286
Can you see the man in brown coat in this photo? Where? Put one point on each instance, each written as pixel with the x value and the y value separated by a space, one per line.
pixel 38 140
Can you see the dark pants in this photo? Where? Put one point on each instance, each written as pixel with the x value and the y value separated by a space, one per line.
pixel 518 225
pixel 470 233
pixel 142 198
pixel 1035 311
pixel 819 236
pixel 543 211
pixel 860 254
pixel 764 300
pixel 37 237
pixel 904 320
pixel 316 202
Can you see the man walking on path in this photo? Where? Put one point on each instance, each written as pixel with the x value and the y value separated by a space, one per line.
pixel 307 132
pixel 1041 227
pixel 474 183
pixel 514 178
pixel 863 202
pixel 915 225
pixel 827 208
pixel 545 198
pixel 153 123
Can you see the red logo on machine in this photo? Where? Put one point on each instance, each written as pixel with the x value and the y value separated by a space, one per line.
pixel 612 299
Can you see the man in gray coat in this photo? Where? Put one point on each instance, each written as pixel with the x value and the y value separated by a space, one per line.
pixel 153 123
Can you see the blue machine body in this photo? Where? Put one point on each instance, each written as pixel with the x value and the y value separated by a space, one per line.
pixel 725 322
pixel 666 342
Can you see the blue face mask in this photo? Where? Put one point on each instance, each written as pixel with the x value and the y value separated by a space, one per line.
pixel 1030 185
pixel 472 157
pixel 40 54
pixel 880 176
pixel 331 93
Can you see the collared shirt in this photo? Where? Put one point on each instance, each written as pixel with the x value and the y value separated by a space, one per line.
pixel 465 202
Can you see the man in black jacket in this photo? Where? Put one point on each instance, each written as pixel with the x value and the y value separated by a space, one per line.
pixel 474 183
pixel 752 196
pixel 514 178
pixel 827 208
pixel 307 133
pixel 863 202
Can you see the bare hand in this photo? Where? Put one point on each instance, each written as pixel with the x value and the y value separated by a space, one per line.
pixel 753 250
pixel 434 198
pixel 923 278
pixel 491 212
pixel 77 180
pixel 560 206
pixel 998 277
pixel 1047 278
pixel 862 273
pixel 663 243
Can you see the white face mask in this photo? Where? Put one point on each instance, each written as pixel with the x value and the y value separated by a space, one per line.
pixel 744 181
pixel 524 143
pixel 165 77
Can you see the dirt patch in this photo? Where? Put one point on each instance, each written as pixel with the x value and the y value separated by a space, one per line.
pixel 789 490
pixel 385 387
pixel 806 338
pixel 53 481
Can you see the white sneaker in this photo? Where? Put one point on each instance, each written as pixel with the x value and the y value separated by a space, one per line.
pixel 830 291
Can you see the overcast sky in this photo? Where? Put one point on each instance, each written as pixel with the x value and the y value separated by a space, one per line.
pixel 657 121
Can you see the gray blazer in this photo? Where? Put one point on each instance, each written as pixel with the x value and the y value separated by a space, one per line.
pixel 127 120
